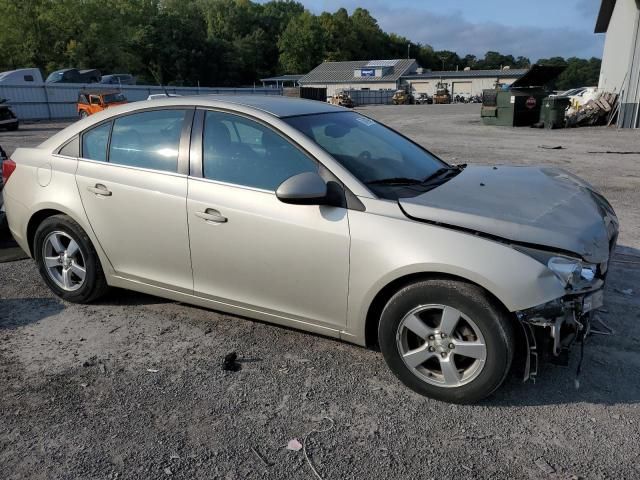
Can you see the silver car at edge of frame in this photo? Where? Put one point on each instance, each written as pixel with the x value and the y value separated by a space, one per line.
pixel 313 216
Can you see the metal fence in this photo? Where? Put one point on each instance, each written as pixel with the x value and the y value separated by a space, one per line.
pixel 59 100
pixel 371 97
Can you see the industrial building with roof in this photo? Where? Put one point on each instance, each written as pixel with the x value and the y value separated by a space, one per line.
pixel 462 82
pixel 398 73
pixel 358 75
pixel 620 70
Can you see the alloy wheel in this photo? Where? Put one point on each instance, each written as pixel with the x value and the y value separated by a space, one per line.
pixel 64 261
pixel 441 345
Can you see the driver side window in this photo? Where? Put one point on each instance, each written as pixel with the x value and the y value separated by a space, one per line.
pixel 244 152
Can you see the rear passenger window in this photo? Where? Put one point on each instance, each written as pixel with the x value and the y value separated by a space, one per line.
pixel 94 142
pixel 71 148
pixel 147 140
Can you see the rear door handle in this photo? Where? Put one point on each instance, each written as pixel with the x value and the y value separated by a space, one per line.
pixel 100 189
pixel 212 215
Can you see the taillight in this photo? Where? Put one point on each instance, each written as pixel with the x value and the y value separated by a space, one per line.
pixel 8 167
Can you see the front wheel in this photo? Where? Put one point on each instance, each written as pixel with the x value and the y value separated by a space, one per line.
pixel 447 340
pixel 67 261
pixel 83 114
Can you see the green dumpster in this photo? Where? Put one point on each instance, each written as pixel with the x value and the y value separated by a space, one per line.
pixel 553 110
pixel 519 104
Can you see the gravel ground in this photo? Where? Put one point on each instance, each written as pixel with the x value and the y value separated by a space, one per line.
pixel 132 386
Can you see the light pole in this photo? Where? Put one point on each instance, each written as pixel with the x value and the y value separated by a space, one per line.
pixel 443 58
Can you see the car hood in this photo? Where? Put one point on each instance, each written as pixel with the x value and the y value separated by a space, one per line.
pixel 546 207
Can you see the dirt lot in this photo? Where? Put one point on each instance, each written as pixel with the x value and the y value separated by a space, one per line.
pixel 131 387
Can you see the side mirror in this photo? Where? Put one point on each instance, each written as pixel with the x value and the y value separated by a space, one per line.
pixel 306 188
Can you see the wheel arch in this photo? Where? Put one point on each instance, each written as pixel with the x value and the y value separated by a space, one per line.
pixel 385 293
pixel 35 220
pixel 44 212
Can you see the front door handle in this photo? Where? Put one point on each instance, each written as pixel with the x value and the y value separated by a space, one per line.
pixel 212 215
pixel 100 189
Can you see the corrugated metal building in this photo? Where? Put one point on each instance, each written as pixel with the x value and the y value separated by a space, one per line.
pixel 462 82
pixel 393 74
pixel 620 71
pixel 359 75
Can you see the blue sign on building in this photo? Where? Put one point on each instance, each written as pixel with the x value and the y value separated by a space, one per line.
pixel 368 72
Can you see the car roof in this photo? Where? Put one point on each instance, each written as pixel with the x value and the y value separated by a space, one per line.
pixel 275 105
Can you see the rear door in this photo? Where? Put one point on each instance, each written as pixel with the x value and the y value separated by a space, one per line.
pixel 133 185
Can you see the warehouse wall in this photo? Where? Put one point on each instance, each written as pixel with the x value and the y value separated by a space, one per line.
pixel 477 84
pixel 333 88
pixel 619 45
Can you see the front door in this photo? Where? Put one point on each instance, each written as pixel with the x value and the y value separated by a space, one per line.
pixel 135 196
pixel 253 251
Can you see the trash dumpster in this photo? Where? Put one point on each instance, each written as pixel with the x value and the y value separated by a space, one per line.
pixel 519 104
pixel 553 110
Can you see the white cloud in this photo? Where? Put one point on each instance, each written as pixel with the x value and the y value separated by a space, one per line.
pixel 454 32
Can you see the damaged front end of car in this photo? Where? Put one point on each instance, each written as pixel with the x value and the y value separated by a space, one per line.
pixel 551 329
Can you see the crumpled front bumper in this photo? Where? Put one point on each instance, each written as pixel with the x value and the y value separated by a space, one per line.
pixel 551 329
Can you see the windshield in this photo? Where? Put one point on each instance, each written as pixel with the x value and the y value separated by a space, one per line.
pixel 55 77
pixel 113 97
pixel 379 157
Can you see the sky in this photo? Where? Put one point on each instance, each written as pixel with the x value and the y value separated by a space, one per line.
pixel 531 28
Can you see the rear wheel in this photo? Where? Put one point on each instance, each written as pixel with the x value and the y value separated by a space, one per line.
pixel 446 340
pixel 67 261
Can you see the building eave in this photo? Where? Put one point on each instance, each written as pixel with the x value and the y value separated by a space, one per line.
pixel 604 16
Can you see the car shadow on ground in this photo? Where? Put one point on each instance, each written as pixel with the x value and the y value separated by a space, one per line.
pixel 20 312
pixel 122 297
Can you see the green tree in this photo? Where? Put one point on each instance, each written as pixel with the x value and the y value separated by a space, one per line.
pixel 301 44
pixel 218 42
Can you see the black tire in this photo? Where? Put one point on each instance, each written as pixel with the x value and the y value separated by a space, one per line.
pixel 494 324
pixel 83 114
pixel 95 283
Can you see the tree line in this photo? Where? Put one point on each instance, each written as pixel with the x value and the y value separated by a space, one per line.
pixel 218 42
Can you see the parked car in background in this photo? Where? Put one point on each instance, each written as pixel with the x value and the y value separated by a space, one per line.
pixel 94 101
pixel 8 119
pixel 315 217
pixel 73 75
pixel 423 99
pixel 118 79
pixel 22 76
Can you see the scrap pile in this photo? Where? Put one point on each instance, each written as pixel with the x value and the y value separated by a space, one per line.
pixel 600 110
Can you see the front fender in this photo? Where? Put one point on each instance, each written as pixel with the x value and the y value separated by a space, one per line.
pixel 385 249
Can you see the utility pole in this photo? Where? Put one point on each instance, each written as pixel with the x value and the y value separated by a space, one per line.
pixel 408 51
